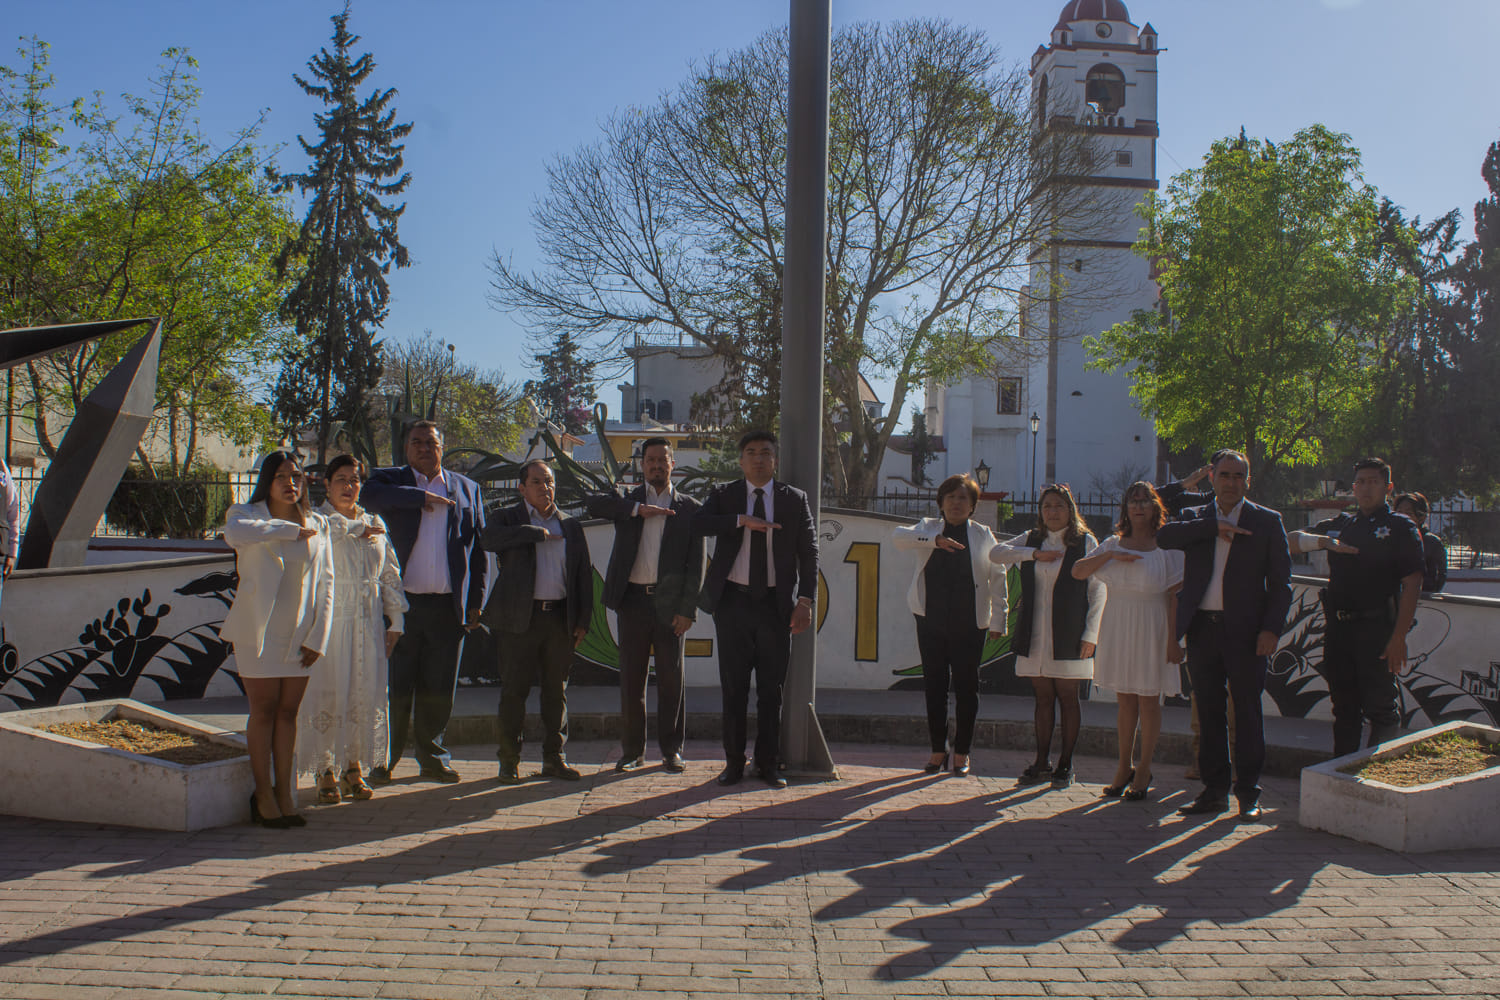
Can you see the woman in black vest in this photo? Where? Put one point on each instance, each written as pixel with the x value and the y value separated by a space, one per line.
pixel 957 595
pixel 1057 625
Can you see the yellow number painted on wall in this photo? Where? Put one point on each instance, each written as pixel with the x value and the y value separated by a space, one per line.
pixel 866 558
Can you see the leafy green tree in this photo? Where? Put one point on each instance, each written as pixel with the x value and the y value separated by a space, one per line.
pixel 144 217
pixel 1469 425
pixel 1274 290
pixel 346 246
pixel 940 183
pixel 565 387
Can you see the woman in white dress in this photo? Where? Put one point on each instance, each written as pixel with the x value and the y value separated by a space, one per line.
pixel 1057 625
pixel 278 623
pixel 1138 654
pixel 958 596
pixel 345 713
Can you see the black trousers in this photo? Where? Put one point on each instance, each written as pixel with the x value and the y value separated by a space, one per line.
pixel 539 656
pixel 423 670
pixel 1219 667
pixel 641 632
pixel 1360 685
pixel 753 639
pixel 950 657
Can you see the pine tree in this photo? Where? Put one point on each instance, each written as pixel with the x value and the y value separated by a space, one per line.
pixel 566 388
pixel 346 245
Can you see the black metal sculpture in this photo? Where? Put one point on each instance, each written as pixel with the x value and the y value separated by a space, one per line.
pixel 98 444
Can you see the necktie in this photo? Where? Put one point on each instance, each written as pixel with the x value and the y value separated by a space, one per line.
pixel 758 541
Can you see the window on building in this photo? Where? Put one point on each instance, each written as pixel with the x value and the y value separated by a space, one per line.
pixel 664 411
pixel 1008 395
pixel 1122 158
pixel 1041 101
pixel 1105 87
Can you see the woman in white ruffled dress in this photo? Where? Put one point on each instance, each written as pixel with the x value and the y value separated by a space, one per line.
pixel 345 713
pixel 1138 655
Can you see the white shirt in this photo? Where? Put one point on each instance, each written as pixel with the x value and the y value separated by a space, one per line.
pixel 1213 597
pixel 427 567
pixel 740 571
pixel 644 569
pixel 551 582
pixel 10 544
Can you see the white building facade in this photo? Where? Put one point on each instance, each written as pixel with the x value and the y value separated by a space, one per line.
pixel 1098 70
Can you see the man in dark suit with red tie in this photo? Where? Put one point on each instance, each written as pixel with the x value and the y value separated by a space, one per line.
pixel 1236 590
pixel 760 588
pixel 652 584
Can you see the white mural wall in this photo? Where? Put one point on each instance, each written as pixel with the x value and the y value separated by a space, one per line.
pixel 150 630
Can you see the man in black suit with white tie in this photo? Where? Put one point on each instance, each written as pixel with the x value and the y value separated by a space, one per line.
pixel 1236 590
pixel 652 584
pixel 760 588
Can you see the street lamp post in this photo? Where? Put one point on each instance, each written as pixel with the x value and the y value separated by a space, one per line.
pixel 1036 425
pixel 982 476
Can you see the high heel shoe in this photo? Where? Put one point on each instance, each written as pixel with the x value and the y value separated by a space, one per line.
pixel 272 823
pixel 293 819
pixel 1115 791
pixel 941 765
pixel 1138 794
pixel 960 770
pixel 352 784
pixel 328 789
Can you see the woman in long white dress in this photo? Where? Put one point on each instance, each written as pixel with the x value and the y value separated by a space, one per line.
pixel 278 623
pixel 1138 654
pixel 345 713
pixel 1057 625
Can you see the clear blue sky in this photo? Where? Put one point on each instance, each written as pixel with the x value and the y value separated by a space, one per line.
pixel 497 87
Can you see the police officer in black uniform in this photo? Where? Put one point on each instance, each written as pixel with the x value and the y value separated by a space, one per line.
pixel 1374 579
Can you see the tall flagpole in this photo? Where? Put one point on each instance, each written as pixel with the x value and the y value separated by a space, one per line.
pixel 803 749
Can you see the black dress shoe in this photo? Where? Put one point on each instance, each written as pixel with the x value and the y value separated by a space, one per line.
pixel 771 775
pixel 442 774
pixel 380 776
pixel 960 770
pixel 510 774
pixel 732 774
pixel 633 764
pixel 1207 804
pixel 557 767
pixel 1250 811
pixel 673 762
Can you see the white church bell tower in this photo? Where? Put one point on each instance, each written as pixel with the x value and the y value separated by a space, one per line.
pixel 1097 71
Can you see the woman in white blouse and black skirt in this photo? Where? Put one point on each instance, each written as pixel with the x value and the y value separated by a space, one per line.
pixel 1057 625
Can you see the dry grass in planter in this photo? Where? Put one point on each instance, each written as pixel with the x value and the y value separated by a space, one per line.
pixel 1448 755
pixel 147 740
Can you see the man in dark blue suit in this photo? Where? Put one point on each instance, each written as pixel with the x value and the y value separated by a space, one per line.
pixel 1236 590
pixel 435 517
pixel 760 588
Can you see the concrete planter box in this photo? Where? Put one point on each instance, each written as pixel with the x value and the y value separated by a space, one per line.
pixel 1444 815
pixel 55 777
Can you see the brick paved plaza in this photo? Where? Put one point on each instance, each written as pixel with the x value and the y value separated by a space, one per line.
pixel 884 883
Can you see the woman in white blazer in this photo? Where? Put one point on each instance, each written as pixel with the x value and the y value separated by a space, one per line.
pixel 958 596
pixel 279 623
